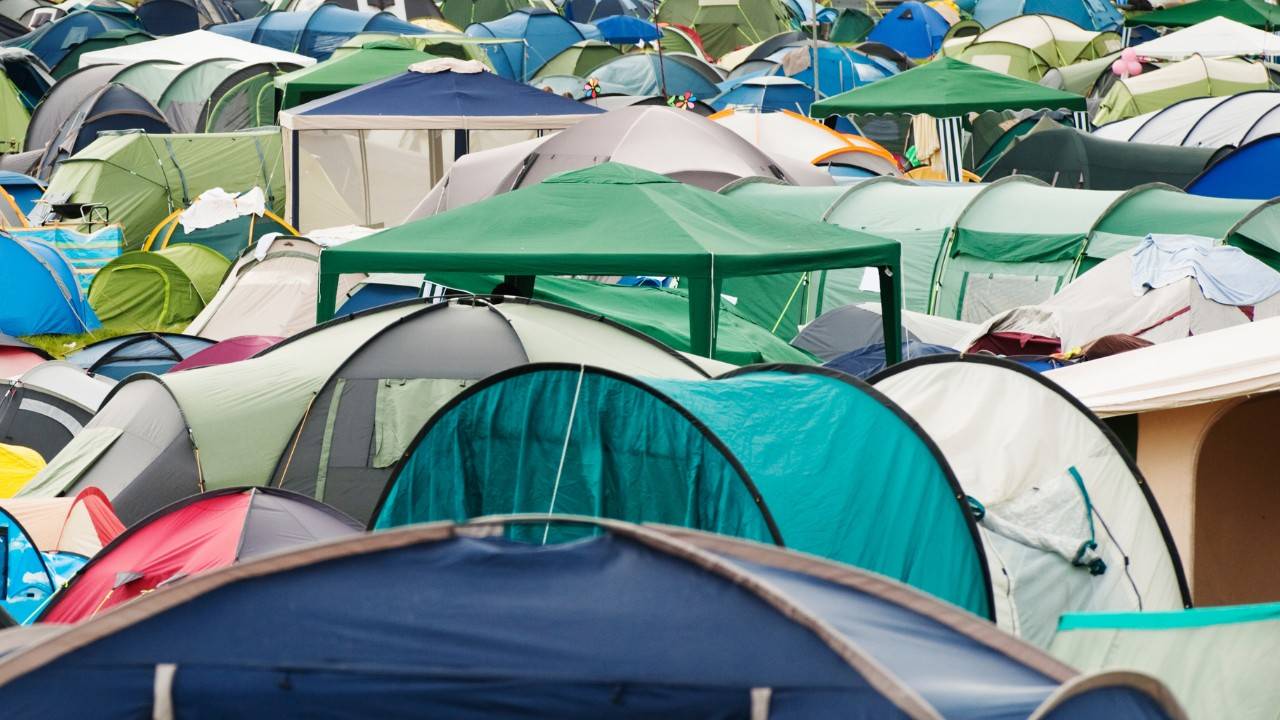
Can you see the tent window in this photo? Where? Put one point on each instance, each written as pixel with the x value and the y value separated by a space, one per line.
pixel 403 407
pixel 984 295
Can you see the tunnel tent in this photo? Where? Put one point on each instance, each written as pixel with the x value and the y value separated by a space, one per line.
pixel 105 41
pixel 375 60
pixel 1203 121
pixel 152 290
pixel 112 107
pixel 144 352
pixel 363 419
pixel 1254 13
pixel 1067 521
pixel 822 662
pixel 715 455
pixel 62 100
pixel 1191 78
pixel 219 95
pixel 1244 172
pixel 47 406
pixel 313 33
pixel 764 267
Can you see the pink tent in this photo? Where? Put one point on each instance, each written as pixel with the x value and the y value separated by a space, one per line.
pixel 230 350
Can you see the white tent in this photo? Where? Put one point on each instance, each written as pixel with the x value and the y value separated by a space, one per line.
pixel 1203 122
pixel 190 48
pixel 1064 516
pixel 1214 38
pixel 796 136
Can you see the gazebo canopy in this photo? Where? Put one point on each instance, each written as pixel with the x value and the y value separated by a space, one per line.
pixel 1254 13
pixel 614 219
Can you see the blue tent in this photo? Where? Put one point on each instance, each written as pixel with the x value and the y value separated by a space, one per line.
pixel 869 360
pixel 24 189
pixel 839 68
pixel 769 93
pixel 589 11
pixel 38 291
pixel 28 575
pixel 124 355
pixel 1248 172
pixel 545 35
pixel 630 622
pixel 314 33
pixel 913 29
pixel 1088 14
pixel 627 30
pixel 52 41
pixel 641 74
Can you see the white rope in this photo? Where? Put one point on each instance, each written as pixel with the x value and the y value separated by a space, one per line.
pixel 564 451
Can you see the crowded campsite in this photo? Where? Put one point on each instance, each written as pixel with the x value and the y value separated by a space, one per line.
pixel 622 359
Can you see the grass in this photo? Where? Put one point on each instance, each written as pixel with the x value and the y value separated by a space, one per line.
pixel 60 346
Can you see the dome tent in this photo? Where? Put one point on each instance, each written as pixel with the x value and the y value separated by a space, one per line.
pixel 151 290
pixel 145 352
pixel 688 614
pixel 48 406
pixel 17 356
pixel 160 439
pixel 114 107
pixel 545 34
pixel 40 294
pixel 190 537
pixel 235 349
pixel 912 28
pixel 718 455
pixel 1066 520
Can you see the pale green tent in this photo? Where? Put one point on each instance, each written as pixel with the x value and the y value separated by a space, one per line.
pixel 154 290
pixel 1028 46
pixel 13 117
pixel 136 179
pixel 726 25
pixel 1220 662
pixel 578 59
pixel 1194 77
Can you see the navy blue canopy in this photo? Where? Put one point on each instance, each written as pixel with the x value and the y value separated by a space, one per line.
pixel 1248 172
pixel 457 621
pixel 123 355
pixel 314 33
pixel 445 94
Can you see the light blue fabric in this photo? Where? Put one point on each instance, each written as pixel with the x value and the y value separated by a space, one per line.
pixel 38 291
pixel 88 252
pixel 1225 274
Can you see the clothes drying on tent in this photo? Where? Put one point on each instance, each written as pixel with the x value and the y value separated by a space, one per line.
pixel 48 405
pixel 716 455
pixel 192 537
pixel 39 293
pixel 142 449
pixel 147 352
pixel 545 34
pixel 241 347
pixel 152 290
pixel 225 223
pixel 912 28
pixel 314 33
pixel 1245 172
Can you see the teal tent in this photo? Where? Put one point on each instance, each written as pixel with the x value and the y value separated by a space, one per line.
pixel 795 455
pixel 613 219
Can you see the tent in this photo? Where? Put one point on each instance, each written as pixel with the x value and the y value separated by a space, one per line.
pixel 1244 172
pixel 30 574
pixel 1196 413
pixel 579 59
pixel 948 89
pixel 192 47
pixel 592 11
pixel 113 107
pixel 313 33
pixel 794 135
pixel 62 101
pixel 144 352
pixel 374 61
pixel 1063 156
pixel 421 12
pixel 24 190
pixel 1088 14
pixel 268 291
pixel 192 537
pixel 853 327
pixel 768 94
pixel 160 439
pixel 235 349
pixel 14 116
pixel 79 525
pixel 16 357
pixel 51 41
pixel 1028 46
pixel 1215 660
pixel 1066 520
pixel 18 465
pixel 221 96
pixel 912 28
pixel 841 641
pixel 463 13
pixel 104 41
pixel 633 204
pixel 648 73
pixel 726 26
pixel 1217 37
pixel 1194 77
pixel 545 33
pixel 138 179
pixel 153 290
pixel 39 293
pixel 87 252
pixel 1254 13
pixel 1203 122
pixel 174 17
pixel 48 405
pixel 28 74
pixel 1105 302
pixel 364 155
pixel 717 455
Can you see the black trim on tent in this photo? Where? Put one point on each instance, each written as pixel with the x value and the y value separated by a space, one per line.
pixel 1102 427
pixel 532 368
pixel 125 341
pixel 957 491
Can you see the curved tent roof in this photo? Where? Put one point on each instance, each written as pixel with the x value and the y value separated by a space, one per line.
pixel 42 418
pixel 1088 14
pixel 1217 37
pixel 160 439
pixel 1246 172
pixel 146 352
pixel 16 357
pixel 375 61
pixel 40 293
pixel 912 28
pixel 193 47
pixel 57 107
pixel 841 640
pixel 642 73
pixel 152 290
pixel 1056 41
pixel 1047 445
pixel 1194 77
pixel 192 537
pixel 113 107
pixel 55 39
pixel 1203 121
pixel 82 524
pixel 463 13
pixel 545 33
pixel 716 455
pixel 1254 13
pixel 578 59
pixel 711 240
pixel 794 135
pixel 235 349
pixel 314 33
pixel 947 87
pixel 728 25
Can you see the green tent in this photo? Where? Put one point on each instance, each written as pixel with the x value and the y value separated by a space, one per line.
pixel 374 61
pixel 1220 662
pixel 1191 78
pixel 153 290
pixel 800 456
pixel 137 179
pixel 229 239
pixel 614 219
pixel 947 87
pixel 1254 13
pixel 851 26
pixel 222 96
pixel 726 25
pixel 104 41
pixel 13 117
pixel 461 13
pixel 578 59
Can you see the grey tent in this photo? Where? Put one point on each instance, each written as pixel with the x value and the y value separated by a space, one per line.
pixel 113 107
pixel 842 330
pixel 46 407
pixel 60 104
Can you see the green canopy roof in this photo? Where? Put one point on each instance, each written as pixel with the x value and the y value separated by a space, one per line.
pixel 947 87
pixel 1254 13
pixel 374 61
pixel 613 219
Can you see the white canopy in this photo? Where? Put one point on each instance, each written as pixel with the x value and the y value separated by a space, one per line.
pixel 1241 360
pixel 1215 38
pixel 192 47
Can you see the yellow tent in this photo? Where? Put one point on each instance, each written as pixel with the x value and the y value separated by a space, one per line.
pixel 18 464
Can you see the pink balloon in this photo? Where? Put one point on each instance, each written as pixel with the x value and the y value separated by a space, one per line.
pixel 1133 68
pixel 1118 67
pixel 1128 54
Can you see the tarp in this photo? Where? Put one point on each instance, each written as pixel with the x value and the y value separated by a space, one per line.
pixel 1254 13
pixel 1216 37
pixel 190 48
pixel 372 62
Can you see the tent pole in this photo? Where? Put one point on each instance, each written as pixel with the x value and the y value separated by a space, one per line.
pixel 327 295
pixel 662 69
pixel 891 313
pixel 703 312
